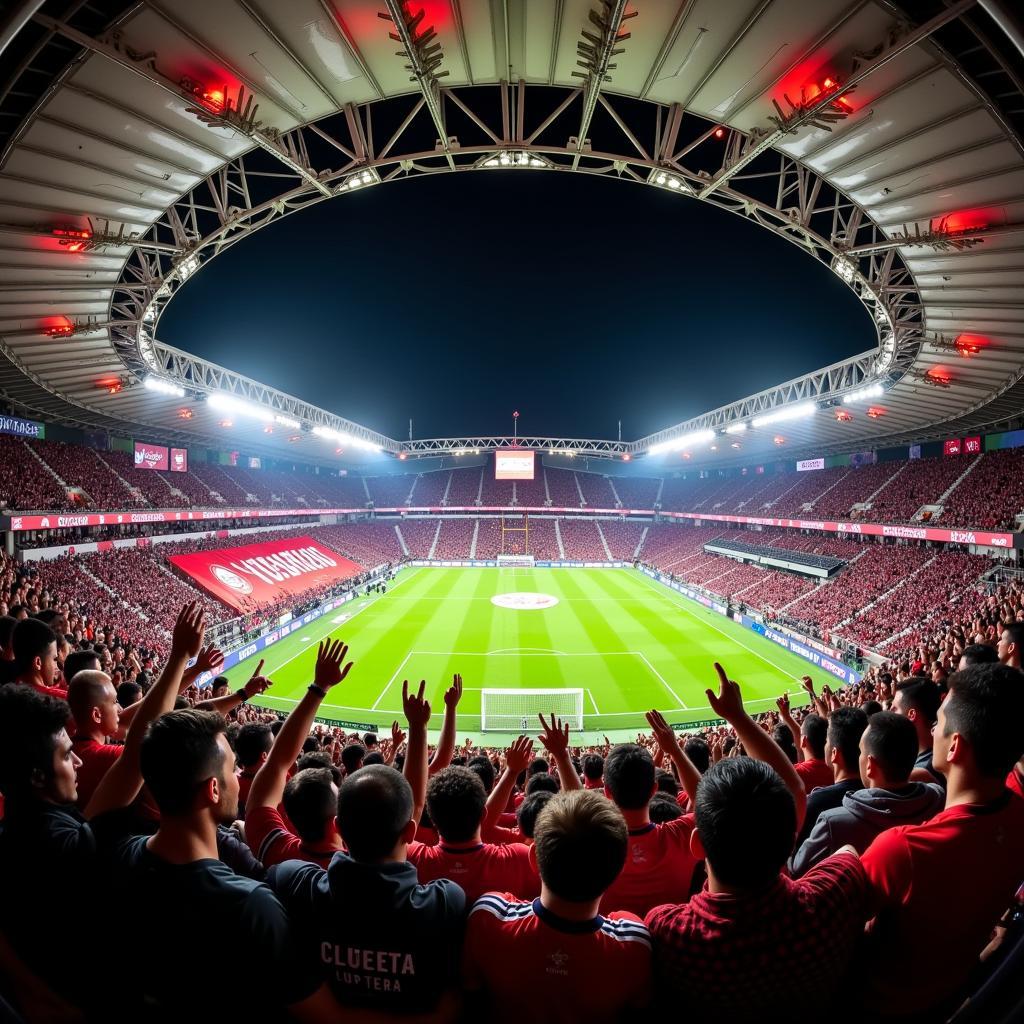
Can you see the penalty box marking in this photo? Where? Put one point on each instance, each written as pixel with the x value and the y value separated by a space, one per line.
pixel 532 653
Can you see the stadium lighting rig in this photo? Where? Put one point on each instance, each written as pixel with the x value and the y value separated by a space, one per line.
pixel 359 180
pixel 736 428
pixel 871 391
pixel 789 412
pixel 71 328
pixel 683 441
pixel 940 234
pixel 163 386
pixel 225 403
pixel 96 239
pixel 669 181
pixel 340 437
pixel 519 158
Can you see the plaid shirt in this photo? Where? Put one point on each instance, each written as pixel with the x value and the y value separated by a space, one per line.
pixel 785 947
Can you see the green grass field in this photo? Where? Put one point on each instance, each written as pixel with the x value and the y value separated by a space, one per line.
pixel 627 642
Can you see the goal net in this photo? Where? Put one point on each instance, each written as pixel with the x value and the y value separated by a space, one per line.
pixel 515 561
pixel 517 710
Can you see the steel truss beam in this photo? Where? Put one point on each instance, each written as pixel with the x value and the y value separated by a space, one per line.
pixel 550 445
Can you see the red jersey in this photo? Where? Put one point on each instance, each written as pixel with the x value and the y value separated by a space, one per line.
pixel 97 760
pixel 815 773
pixel 269 837
pixel 1015 781
pixel 244 785
pixel 736 957
pixel 658 869
pixel 49 691
pixel 539 967
pixel 914 872
pixel 478 867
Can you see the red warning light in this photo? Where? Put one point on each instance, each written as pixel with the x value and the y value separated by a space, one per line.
pixel 828 83
pixel 876 412
pixel 112 385
pixel 402 456
pixel 719 132
pixel 63 330
pixel 970 344
pixel 73 239
pixel 185 414
pixel 843 416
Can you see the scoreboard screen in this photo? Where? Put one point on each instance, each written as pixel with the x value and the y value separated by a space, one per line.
pixel 513 465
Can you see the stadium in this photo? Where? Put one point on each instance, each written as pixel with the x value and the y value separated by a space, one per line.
pixel 706 715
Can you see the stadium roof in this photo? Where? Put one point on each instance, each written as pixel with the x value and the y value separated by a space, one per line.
pixel 140 140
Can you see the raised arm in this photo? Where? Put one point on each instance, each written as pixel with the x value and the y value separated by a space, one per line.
pixel 446 744
pixel 819 705
pixel 517 757
pixel 331 668
pixel 257 684
pixel 417 714
pixel 555 738
pixel 787 717
pixel 122 782
pixel 668 741
pixel 728 704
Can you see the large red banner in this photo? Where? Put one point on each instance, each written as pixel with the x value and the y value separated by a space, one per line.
pixel 150 456
pixel 259 574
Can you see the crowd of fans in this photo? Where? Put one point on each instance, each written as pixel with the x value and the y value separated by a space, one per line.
pixel 886 492
pixel 783 867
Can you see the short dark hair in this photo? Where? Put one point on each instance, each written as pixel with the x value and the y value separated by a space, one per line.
pixel 319 759
pixel 593 767
pixel 891 740
pixel 541 784
pixel 80 661
pixel 1016 631
pixel 986 706
pixel 369 739
pixel 746 819
pixel 217 681
pixel 128 694
pixel 373 757
pixel 845 728
pixel 664 807
pixel 580 839
pixel 526 814
pixel 29 724
pixel 374 805
pixel 253 740
pixel 456 801
pixel 179 752
pixel 310 802
pixel 697 750
pixel 871 708
pixel 782 735
pixel 352 756
pixel 7 624
pixel 980 654
pixel 923 696
pixel 538 766
pixel 29 640
pixel 629 775
pixel 481 766
pixel 814 729
pixel 666 782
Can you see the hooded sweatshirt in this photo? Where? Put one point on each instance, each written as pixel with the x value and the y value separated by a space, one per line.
pixel 863 815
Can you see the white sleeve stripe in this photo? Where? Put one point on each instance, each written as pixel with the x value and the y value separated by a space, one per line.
pixel 271 837
pixel 502 909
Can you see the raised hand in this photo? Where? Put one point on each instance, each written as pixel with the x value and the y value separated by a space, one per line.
pixel 728 703
pixel 783 705
pixel 453 694
pixel 209 659
pixel 397 735
pixel 808 684
pixel 187 635
pixel 519 755
pixel 415 708
pixel 663 732
pixel 555 736
pixel 257 684
pixel 331 667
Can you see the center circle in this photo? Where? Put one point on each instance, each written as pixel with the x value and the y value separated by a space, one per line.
pixel 524 601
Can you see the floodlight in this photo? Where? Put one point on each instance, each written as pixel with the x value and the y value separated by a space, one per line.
pixel 844 268
pixel 789 412
pixel 736 428
pixel 164 387
pixel 670 181
pixel 287 421
pixel 871 391
pixel 677 444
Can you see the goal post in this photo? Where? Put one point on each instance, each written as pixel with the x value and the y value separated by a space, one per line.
pixel 516 711
pixel 515 561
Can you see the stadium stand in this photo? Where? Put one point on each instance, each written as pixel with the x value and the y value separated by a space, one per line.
pixel 465 486
pixel 26 482
pixel 562 487
pixel 389 491
pixel 419 536
pixel 455 539
pixel 597 490
pixel 622 537
pixel 430 488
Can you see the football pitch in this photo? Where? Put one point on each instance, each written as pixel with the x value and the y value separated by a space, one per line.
pixel 626 641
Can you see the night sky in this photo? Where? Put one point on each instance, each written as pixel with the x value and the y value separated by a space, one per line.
pixel 576 300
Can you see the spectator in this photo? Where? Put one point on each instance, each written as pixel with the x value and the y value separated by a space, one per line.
pixel 529 811
pixel 352 757
pixel 97 717
pixel 34 646
pixel 842 753
pixel 310 797
pixel 7 624
pixel 558 954
pixel 978 840
pixel 659 863
pixel 593 771
pixel 379 938
pixel 80 661
pixel 811 737
pixel 918 699
pixel 252 748
pixel 888 748
pixel 719 954
pixel 1011 645
pixel 977 654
